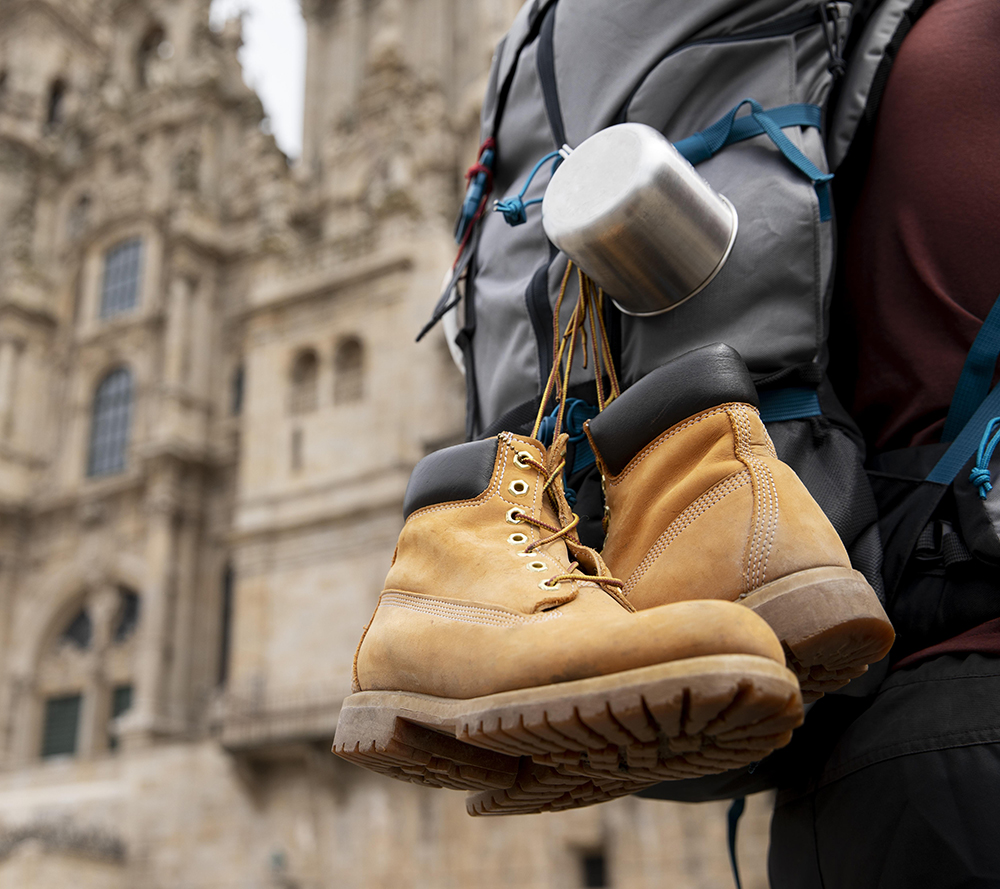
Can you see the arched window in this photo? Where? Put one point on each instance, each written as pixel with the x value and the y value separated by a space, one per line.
pixel 304 382
pixel 153 45
pixel 85 675
pixel 57 101
pixel 349 371
pixel 109 423
pixel 122 274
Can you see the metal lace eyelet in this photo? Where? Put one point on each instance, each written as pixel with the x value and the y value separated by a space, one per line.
pixel 517 539
pixel 518 487
pixel 521 459
pixel 536 566
pixel 512 514
pixel 546 585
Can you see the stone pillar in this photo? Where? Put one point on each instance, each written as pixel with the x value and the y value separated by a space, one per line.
pixel 102 606
pixel 146 718
pixel 24 719
pixel 178 299
pixel 184 631
pixel 10 350
pixel 200 341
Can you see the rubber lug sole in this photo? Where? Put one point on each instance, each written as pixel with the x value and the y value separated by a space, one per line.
pixel 595 738
pixel 830 623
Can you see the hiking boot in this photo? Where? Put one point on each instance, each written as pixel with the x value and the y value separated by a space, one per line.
pixel 698 506
pixel 500 637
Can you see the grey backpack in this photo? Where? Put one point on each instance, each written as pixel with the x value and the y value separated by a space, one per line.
pixel 568 69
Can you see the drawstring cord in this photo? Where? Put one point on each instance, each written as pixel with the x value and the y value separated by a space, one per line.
pixel 980 475
pixel 514 209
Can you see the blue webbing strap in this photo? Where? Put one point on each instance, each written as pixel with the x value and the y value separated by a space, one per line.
pixel 777 405
pixel 966 442
pixel 703 145
pixel 977 374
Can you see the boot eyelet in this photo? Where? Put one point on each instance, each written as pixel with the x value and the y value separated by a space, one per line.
pixel 521 459
pixel 518 487
pixel 512 516
pixel 517 539
pixel 546 585
pixel 536 566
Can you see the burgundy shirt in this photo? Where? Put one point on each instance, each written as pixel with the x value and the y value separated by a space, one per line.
pixel 923 253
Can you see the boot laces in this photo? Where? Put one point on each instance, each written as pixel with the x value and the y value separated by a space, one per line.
pixel 551 471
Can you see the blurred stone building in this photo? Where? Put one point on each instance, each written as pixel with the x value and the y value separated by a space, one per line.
pixel 210 403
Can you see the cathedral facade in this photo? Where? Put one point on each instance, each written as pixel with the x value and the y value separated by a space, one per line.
pixel 210 404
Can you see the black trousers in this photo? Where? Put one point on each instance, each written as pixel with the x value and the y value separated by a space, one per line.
pixel 909 796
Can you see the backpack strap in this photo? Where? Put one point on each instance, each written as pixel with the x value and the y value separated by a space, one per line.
pixel 546 60
pixel 977 374
pixel 971 409
pixel 792 403
pixel 704 144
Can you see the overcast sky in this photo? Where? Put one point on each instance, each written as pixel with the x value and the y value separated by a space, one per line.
pixel 274 61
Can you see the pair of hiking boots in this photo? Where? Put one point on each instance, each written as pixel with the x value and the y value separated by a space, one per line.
pixel 508 659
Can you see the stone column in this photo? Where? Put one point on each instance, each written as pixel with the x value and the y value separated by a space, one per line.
pixel 25 713
pixel 102 606
pixel 184 631
pixel 146 718
pixel 10 350
pixel 178 300
pixel 200 341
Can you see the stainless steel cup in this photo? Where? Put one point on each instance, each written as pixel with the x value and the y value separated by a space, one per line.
pixel 635 216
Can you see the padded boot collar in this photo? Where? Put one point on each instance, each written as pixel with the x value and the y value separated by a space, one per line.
pixel 687 385
pixel 461 472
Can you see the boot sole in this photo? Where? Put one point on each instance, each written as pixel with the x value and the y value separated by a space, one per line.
pixel 829 621
pixel 594 738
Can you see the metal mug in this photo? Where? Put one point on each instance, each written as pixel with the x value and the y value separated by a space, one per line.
pixel 628 209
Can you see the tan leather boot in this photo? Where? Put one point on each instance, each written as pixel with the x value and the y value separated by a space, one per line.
pixel 698 506
pixel 489 645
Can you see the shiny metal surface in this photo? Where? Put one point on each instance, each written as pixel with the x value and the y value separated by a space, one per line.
pixel 637 217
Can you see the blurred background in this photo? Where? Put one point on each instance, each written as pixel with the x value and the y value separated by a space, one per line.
pixel 210 404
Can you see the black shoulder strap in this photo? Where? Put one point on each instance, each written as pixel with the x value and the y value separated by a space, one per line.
pixel 540 16
pixel 547 76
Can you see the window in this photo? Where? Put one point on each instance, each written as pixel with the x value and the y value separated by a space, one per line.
pixel 150 48
pixel 121 701
pixel 297 458
pixel 79 631
pixel 62 719
pixel 349 367
pixel 57 102
pixel 110 420
pixel 128 615
pixel 225 634
pixel 305 378
pixel 594 869
pixel 236 392
pixel 122 270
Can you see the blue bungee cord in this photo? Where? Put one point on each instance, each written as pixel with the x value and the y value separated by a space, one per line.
pixel 980 475
pixel 514 209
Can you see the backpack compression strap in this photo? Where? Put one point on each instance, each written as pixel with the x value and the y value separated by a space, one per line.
pixel 730 129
